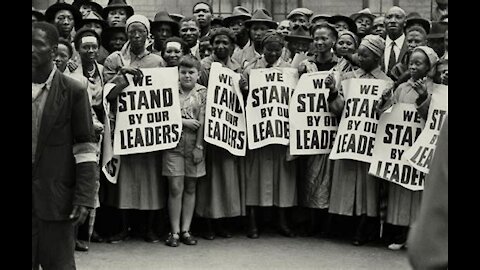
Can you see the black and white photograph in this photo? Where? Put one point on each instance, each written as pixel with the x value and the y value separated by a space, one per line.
pixel 239 134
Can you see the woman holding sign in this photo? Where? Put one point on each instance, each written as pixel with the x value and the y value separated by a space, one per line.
pixel 140 184
pixel 404 204
pixel 270 178
pixel 354 192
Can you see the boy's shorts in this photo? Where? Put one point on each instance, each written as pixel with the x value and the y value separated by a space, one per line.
pixel 175 164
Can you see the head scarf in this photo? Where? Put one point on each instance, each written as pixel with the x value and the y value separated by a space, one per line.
pixel 125 51
pixel 272 37
pixel 374 43
pixel 349 33
pixel 432 58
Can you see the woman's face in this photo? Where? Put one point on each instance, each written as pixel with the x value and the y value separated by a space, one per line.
pixel 363 25
pixel 117 40
pixel 137 34
pixel 415 39
pixel 368 61
pixel 222 46
pixel 323 39
pixel 172 54
pixel 61 57
pixel 205 49
pixel 345 45
pixel 341 25
pixel 188 77
pixel 418 65
pixel 117 17
pixel 88 49
pixel 272 52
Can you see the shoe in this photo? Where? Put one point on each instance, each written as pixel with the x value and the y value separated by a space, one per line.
pixel 253 233
pixel 80 245
pixel 118 237
pixel 285 231
pixel 224 233
pixel 187 238
pixel 395 246
pixel 151 237
pixel 209 235
pixel 172 240
pixel 97 238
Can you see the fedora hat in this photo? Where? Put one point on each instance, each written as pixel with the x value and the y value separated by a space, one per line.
pixel 218 20
pixel 163 17
pixel 261 15
pixel 109 31
pixel 438 30
pixel 114 4
pixel 176 17
pixel 95 6
pixel 38 14
pixel 53 9
pixel 238 12
pixel 364 12
pixel 317 17
pixel 299 33
pixel 415 18
pixel 300 11
pixel 351 24
pixel 92 17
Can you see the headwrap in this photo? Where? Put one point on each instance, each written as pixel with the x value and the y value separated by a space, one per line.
pixel 374 43
pixel 349 33
pixel 272 37
pixel 125 51
pixel 432 58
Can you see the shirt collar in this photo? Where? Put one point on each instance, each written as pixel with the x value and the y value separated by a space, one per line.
pixel 48 83
pixel 399 41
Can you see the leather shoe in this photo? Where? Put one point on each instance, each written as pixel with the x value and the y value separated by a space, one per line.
pixel 80 245
pixel 151 237
pixel 172 240
pixel 118 237
pixel 253 234
pixel 187 239
pixel 286 232
pixel 224 233
pixel 209 235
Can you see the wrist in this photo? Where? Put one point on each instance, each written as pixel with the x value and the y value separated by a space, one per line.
pixel 200 147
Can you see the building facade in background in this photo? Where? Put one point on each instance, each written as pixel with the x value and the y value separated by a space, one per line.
pixel 279 8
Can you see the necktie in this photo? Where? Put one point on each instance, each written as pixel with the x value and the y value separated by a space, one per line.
pixel 393 59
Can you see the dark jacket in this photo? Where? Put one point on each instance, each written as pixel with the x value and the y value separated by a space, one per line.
pixel 63 174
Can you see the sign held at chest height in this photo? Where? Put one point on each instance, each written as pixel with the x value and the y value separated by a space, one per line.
pixel 397 132
pixel 225 124
pixel 267 106
pixel 313 127
pixel 356 132
pixel 148 113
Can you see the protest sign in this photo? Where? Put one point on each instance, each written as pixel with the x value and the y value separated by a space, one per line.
pixel 397 131
pixel 110 164
pixel 356 132
pixel 148 113
pixel 421 153
pixel 267 106
pixel 312 125
pixel 225 124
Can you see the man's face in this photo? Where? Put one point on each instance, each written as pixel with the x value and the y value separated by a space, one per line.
pixel 222 46
pixel 284 28
pixel 95 27
pixel 394 22
pixel 378 27
pixel 117 17
pixel 65 22
pixel 189 32
pixel 258 31
pixel 61 57
pixel 161 32
pixel 117 41
pixel 363 24
pixel 203 15
pixel 298 20
pixel 42 51
pixel 238 27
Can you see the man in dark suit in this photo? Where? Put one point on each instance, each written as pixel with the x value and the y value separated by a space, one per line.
pixel 428 239
pixel 395 44
pixel 63 155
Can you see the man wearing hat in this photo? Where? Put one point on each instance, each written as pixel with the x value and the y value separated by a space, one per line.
pixel 299 41
pixel 203 12
pixel 413 18
pixel 363 20
pixel 436 37
pixel 37 16
pixel 162 27
pixel 395 44
pixel 320 18
pixel 300 16
pixel 257 26
pixel 117 12
pixel 284 28
pixel 440 10
pixel 86 6
pixel 94 21
pixel 342 22
pixel 236 22
pixel 65 17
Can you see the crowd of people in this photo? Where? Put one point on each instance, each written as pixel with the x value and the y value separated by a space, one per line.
pixel 91 46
